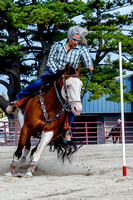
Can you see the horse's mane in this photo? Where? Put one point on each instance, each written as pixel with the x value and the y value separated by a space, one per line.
pixel 70 70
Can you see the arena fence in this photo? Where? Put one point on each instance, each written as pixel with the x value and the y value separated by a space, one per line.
pixel 88 132
pixel 83 133
pixel 108 125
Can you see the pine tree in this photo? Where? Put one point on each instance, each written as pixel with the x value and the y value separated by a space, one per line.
pixel 107 26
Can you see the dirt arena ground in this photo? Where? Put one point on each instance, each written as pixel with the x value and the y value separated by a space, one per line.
pixel 95 173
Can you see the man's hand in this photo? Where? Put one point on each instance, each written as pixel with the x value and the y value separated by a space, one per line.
pixel 90 68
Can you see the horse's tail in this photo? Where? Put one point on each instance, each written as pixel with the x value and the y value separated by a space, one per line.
pixel 64 148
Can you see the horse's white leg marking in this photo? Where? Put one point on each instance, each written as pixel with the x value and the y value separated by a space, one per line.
pixel 21 118
pixel 45 139
pixel 25 153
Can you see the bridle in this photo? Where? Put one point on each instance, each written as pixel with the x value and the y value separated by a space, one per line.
pixel 65 87
pixel 65 106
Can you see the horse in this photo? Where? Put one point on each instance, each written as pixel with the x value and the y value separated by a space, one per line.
pixel 43 117
pixel 115 133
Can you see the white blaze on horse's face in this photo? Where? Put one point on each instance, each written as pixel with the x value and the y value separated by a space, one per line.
pixel 73 94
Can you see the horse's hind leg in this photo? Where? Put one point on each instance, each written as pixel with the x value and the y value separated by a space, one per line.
pixel 22 142
pixel 45 139
pixel 26 150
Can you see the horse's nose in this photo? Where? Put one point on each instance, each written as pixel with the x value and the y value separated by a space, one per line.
pixel 76 108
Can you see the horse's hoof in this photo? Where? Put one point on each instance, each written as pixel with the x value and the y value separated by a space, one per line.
pixel 9 174
pixel 28 175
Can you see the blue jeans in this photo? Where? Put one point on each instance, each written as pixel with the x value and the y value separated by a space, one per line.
pixel 70 117
pixel 36 85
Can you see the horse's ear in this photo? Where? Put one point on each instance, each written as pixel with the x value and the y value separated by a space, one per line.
pixel 67 69
pixel 77 71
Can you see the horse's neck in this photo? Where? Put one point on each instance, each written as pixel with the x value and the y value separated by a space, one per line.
pixel 51 98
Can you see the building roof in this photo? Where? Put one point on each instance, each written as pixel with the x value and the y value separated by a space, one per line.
pixel 125 76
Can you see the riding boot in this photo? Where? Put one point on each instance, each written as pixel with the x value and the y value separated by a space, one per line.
pixel 13 105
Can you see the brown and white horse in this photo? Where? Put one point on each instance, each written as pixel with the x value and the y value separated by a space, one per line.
pixel 44 115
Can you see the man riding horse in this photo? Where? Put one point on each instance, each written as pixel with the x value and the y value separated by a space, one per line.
pixel 72 50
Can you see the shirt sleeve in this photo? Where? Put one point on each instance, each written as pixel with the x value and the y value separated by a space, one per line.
pixel 51 62
pixel 85 56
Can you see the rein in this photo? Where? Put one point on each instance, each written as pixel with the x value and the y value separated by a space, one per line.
pixel 66 106
pixel 85 90
pixel 57 93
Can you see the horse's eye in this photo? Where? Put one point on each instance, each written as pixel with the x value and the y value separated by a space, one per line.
pixel 67 86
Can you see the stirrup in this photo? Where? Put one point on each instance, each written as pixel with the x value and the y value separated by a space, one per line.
pixel 68 134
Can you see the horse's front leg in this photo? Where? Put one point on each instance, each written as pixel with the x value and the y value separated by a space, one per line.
pixel 45 140
pixel 22 141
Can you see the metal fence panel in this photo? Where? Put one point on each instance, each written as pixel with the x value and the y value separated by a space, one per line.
pixel 83 133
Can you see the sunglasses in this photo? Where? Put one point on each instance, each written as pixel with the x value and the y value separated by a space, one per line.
pixel 75 38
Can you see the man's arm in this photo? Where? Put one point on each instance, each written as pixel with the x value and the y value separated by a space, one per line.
pixel 85 56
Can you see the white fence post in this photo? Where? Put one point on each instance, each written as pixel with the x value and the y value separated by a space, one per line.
pixel 122 110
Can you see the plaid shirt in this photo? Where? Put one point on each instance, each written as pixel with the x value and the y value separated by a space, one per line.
pixel 59 56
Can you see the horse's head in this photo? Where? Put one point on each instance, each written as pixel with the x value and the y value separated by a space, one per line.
pixel 71 90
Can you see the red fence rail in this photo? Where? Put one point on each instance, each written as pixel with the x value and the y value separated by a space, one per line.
pixel 88 132
pixel 83 132
pixel 9 133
